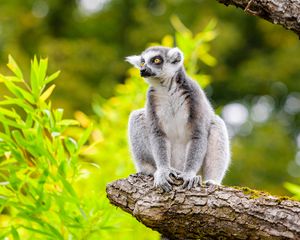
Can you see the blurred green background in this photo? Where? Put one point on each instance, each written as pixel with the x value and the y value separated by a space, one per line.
pixel 251 71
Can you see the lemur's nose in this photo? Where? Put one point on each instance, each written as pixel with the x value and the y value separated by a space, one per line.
pixel 146 72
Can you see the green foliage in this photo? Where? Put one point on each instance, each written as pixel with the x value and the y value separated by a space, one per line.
pixel 52 185
pixel 40 164
pixel 255 166
pixel 294 189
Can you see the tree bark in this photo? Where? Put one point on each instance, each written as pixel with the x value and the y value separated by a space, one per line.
pixel 283 12
pixel 207 212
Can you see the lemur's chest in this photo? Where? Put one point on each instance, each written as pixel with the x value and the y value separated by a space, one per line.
pixel 172 110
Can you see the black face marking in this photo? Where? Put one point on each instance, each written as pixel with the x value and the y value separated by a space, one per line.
pixel 146 72
pixel 157 60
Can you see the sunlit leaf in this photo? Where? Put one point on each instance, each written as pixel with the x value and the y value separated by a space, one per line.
pixel 15 234
pixel 168 41
pixel 68 122
pixel 85 136
pixel 52 77
pixel 293 188
pixel 47 93
pixel 8 122
pixel 13 66
pixel 19 92
pixel 10 78
pixel 34 82
pixel 18 102
pixel 179 26
pixel 71 145
pixel 9 113
pixel 58 114
pixel 42 71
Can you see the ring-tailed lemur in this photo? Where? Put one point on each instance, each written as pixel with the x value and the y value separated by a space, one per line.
pixel 177 132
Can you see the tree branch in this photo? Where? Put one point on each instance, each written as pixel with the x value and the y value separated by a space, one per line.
pixel 208 212
pixel 283 12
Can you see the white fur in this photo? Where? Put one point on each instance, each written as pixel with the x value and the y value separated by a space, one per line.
pixel 134 60
pixel 150 54
pixel 173 53
pixel 173 119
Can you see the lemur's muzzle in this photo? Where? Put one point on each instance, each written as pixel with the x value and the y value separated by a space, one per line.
pixel 146 72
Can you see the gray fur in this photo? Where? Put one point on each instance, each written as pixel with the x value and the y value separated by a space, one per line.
pixel 177 133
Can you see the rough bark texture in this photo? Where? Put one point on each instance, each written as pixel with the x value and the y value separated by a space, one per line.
pixel 283 12
pixel 214 212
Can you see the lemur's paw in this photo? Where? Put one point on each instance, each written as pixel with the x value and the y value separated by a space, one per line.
pixel 174 172
pixel 211 182
pixel 190 180
pixel 163 180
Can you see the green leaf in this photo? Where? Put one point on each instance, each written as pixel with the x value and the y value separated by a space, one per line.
pixel 34 77
pixel 179 26
pixel 293 188
pixel 52 77
pixel 8 122
pixel 71 145
pixel 58 114
pixel 9 113
pixel 19 102
pixel 68 122
pixel 10 78
pixel 47 93
pixel 68 187
pixel 19 92
pixel 38 231
pixel 42 71
pixel 85 136
pixel 15 234
pixel 13 66
pixel 29 121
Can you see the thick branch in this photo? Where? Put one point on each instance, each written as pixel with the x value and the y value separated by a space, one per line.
pixel 283 12
pixel 207 212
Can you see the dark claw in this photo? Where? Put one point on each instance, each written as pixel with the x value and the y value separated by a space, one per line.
pixel 175 174
pixel 209 183
pixel 185 184
pixel 191 183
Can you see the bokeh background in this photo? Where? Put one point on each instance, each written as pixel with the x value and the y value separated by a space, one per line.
pixel 250 71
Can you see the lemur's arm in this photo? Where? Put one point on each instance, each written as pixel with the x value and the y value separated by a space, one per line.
pixel 199 112
pixel 194 158
pixel 160 148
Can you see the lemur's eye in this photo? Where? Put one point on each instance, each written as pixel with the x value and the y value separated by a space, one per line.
pixel 142 64
pixel 157 60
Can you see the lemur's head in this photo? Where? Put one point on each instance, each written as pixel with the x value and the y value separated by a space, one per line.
pixel 157 62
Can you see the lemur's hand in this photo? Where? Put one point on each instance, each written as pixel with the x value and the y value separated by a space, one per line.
pixel 190 180
pixel 162 178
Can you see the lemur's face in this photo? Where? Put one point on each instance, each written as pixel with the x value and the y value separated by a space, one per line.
pixel 157 62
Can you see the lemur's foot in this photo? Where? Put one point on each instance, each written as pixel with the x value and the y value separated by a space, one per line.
pixel 190 180
pixel 211 182
pixel 163 180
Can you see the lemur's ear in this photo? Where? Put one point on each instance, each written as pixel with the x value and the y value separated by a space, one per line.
pixel 134 60
pixel 175 56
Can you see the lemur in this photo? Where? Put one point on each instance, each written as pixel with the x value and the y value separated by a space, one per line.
pixel 177 133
